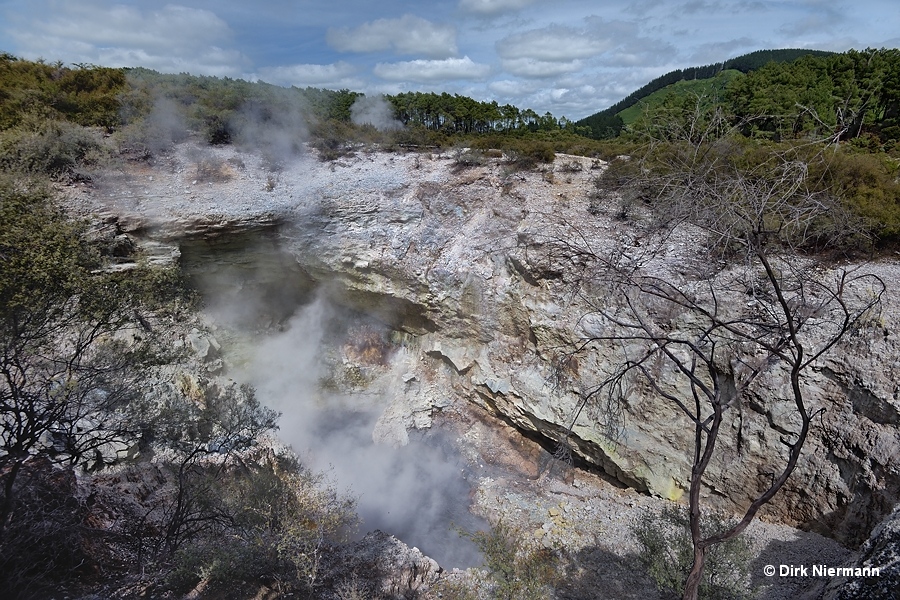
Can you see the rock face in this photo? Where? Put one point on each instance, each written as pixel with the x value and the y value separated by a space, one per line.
pixel 380 565
pixel 447 257
pixel 881 551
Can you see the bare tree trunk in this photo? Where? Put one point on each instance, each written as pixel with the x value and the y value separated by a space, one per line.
pixel 8 503
pixel 692 585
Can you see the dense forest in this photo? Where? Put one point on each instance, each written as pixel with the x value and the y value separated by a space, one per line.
pixel 606 123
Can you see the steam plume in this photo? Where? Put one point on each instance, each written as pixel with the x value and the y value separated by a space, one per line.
pixel 415 492
pixel 375 111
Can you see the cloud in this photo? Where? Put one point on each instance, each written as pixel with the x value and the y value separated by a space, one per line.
pixel 715 52
pixel 816 17
pixel 512 88
pixel 575 95
pixel 530 67
pixel 628 47
pixel 172 39
pixel 335 75
pixel 558 50
pixel 699 7
pixel 493 7
pixel 407 35
pixel 432 70
pixel 553 43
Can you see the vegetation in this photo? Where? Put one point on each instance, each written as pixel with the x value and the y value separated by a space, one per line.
pixel 279 519
pixel 860 182
pixel 69 393
pixel 842 97
pixel 712 87
pixel 609 122
pixel 63 150
pixel 850 96
pixel 516 569
pixel 77 346
pixel 83 94
pixel 751 208
pixel 665 549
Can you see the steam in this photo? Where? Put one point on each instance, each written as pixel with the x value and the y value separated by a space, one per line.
pixel 414 492
pixel 276 128
pixel 272 122
pixel 375 111
pixel 163 126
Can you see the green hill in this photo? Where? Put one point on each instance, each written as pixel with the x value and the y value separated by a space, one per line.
pixel 711 87
pixel 608 123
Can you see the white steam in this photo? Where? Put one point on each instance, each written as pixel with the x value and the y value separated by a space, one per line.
pixel 277 128
pixel 375 111
pixel 416 492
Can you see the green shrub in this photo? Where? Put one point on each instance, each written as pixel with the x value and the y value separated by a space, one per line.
pixel 666 551
pixel 465 158
pixel 86 95
pixel 281 521
pixel 867 184
pixel 62 150
pixel 518 570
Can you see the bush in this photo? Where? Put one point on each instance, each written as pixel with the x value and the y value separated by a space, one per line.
pixel 572 166
pixel 867 185
pixel 86 95
pixel 281 521
pixel 62 150
pixel 667 553
pixel 526 155
pixel 517 570
pixel 48 540
pixel 465 158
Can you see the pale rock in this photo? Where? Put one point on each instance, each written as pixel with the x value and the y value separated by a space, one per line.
pixel 501 337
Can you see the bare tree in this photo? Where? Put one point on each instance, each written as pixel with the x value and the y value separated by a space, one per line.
pixel 207 436
pixel 699 331
pixel 68 371
pixel 67 394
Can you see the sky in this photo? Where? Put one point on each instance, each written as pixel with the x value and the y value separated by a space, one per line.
pixel 569 57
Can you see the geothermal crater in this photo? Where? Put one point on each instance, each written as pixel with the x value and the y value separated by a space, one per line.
pixel 395 309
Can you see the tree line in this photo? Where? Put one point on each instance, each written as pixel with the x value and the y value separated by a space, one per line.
pixel 606 123
pixel 845 96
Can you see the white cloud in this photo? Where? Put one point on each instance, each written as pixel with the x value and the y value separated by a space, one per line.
pixel 553 43
pixel 337 75
pixel 432 70
pixel 172 39
pixel 558 50
pixel 512 88
pixel 715 52
pixel 694 7
pixel 628 47
pixel 493 7
pixel 530 67
pixel 407 35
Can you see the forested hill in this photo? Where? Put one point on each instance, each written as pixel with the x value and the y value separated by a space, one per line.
pixel 607 123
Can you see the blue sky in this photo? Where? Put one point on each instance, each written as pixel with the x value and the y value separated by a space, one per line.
pixel 569 57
